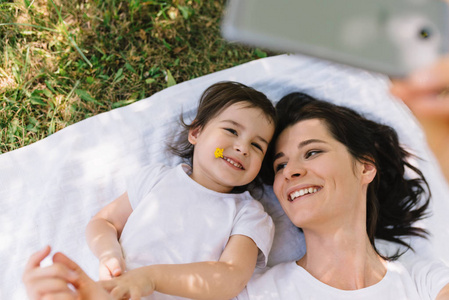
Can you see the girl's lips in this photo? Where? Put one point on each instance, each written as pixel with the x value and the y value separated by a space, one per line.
pixel 234 162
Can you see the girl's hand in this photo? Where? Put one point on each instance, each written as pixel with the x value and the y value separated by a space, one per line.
pixel 111 266
pixel 132 285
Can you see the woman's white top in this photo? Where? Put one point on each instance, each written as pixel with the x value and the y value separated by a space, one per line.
pixel 290 281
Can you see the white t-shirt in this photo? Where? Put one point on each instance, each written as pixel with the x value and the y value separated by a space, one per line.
pixel 175 220
pixel 287 281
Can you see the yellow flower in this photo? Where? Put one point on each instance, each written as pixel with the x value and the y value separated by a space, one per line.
pixel 218 153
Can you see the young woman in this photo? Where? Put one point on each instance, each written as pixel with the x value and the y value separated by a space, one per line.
pixel 341 179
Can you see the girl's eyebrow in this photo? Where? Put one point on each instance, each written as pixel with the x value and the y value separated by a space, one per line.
pixel 243 127
pixel 300 145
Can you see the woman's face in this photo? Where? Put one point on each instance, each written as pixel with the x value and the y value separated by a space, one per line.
pixel 317 181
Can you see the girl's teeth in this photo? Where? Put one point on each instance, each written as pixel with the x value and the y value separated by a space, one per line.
pixel 233 163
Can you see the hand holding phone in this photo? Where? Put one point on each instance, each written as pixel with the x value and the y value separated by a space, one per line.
pixel 391 37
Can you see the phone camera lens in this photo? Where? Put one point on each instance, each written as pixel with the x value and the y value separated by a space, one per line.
pixel 425 33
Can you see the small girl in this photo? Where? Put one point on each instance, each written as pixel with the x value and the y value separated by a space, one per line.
pixel 194 230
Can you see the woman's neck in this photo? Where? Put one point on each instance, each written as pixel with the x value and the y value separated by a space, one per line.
pixel 343 260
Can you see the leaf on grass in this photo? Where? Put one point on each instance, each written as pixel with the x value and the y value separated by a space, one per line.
pixel 186 11
pixel 150 80
pixel 47 93
pixel 119 75
pixel 47 83
pixel 37 101
pixel 123 103
pixel 259 53
pixel 86 96
pixel 170 80
pixel 130 68
pixel 169 47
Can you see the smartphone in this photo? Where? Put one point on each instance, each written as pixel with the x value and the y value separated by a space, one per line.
pixel 393 37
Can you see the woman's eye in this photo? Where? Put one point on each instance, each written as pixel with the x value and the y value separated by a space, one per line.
pixel 312 153
pixel 231 131
pixel 279 167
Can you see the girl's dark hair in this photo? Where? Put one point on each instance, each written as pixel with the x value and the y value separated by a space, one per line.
pixel 394 202
pixel 213 101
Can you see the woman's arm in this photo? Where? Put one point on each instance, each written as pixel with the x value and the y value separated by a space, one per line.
pixel 223 279
pixel 103 232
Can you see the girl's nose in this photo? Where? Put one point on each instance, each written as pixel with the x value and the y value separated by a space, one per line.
pixel 241 148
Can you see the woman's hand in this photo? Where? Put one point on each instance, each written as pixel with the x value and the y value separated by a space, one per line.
pixel 47 281
pixel 132 285
pixel 426 93
pixel 52 282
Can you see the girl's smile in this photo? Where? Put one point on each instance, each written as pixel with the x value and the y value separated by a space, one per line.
pixel 243 132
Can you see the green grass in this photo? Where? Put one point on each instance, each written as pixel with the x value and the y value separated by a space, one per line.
pixel 62 61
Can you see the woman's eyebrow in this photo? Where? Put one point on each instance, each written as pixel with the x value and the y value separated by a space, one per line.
pixel 308 142
pixel 278 155
pixel 300 145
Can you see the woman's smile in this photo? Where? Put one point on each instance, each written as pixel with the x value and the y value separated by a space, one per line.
pixel 302 192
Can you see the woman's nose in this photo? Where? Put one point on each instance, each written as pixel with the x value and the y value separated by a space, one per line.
pixel 293 170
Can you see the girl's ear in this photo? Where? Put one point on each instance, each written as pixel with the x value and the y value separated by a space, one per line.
pixel 194 132
pixel 369 171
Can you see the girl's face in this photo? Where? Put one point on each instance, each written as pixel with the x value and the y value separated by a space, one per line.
pixel 317 182
pixel 243 133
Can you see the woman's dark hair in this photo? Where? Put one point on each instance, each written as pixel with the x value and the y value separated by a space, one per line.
pixel 213 101
pixel 394 202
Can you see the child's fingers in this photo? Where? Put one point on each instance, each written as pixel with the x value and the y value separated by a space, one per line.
pixel 104 273
pixel 107 285
pixel 135 294
pixel 110 268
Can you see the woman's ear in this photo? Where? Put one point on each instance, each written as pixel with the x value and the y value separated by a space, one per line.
pixel 194 132
pixel 369 171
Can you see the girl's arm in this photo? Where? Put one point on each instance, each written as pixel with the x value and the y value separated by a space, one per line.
pixel 223 279
pixel 444 293
pixel 103 232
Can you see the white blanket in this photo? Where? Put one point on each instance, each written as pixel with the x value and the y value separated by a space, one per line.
pixel 49 190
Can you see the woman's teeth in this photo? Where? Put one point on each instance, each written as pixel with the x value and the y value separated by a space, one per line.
pixel 234 163
pixel 302 192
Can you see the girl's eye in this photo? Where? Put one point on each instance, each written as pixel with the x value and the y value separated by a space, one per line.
pixel 279 167
pixel 257 146
pixel 312 153
pixel 234 132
